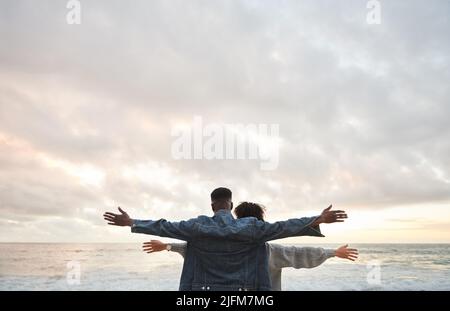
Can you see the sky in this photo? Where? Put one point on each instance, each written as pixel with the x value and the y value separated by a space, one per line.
pixel 87 114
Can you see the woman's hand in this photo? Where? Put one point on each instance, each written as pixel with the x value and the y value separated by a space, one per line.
pixel 347 253
pixel 154 246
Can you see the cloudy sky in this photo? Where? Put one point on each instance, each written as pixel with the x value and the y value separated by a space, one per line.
pixel 87 112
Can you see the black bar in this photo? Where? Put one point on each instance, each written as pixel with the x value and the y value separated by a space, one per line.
pixel 224 300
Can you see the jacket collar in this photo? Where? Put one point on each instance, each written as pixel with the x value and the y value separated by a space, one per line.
pixel 222 212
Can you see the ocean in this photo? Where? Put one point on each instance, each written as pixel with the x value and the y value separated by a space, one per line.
pixel 34 266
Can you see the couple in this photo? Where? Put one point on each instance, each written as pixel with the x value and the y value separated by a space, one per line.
pixel 224 253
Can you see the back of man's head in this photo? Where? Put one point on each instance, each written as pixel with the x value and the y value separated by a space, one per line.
pixel 221 199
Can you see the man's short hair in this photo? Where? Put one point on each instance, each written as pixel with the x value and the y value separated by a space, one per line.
pixel 221 194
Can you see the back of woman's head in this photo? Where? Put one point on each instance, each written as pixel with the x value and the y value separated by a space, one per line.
pixel 249 209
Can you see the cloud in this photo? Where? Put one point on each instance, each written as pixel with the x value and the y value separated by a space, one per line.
pixel 86 110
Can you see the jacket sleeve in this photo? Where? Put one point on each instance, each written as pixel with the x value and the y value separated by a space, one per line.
pixel 282 229
pixel 179 248
pixel 298 257
pixel 183 230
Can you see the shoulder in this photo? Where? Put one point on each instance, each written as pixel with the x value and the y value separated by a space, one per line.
pixel 202 219
pixel 199 219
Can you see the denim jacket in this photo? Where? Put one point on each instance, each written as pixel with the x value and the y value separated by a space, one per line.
pixel 282 256
pixel 225 253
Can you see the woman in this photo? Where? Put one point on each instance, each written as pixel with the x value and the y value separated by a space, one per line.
pixel 280 256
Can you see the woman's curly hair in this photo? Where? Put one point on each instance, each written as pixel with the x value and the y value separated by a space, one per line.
pixel 249 209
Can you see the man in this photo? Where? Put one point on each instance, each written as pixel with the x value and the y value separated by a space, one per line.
pixel 280 256
pixel 225 253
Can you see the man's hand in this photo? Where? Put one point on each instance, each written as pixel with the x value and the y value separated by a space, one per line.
pixel 347 253
pixel 328 217
pixel 154 246
pixel 121 219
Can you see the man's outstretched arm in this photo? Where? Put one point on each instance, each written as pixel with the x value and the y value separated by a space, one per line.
pixel 298 226
pixel 182 230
